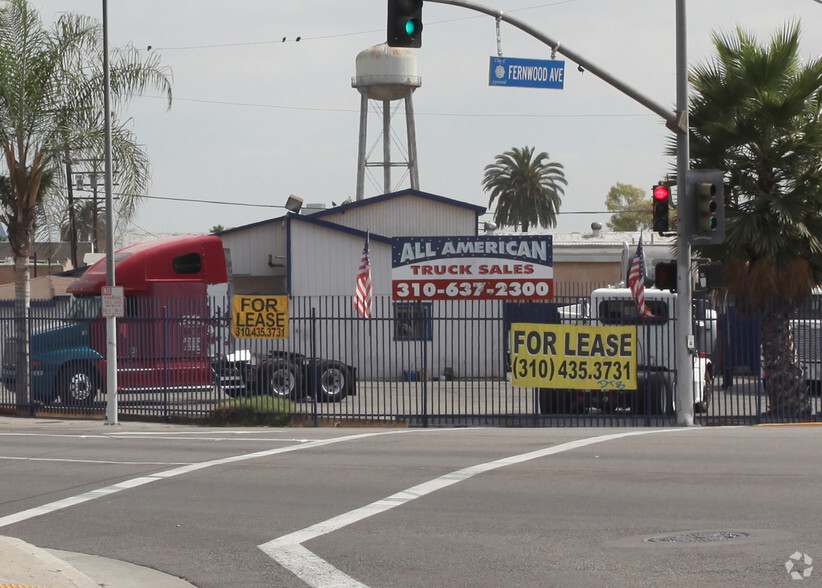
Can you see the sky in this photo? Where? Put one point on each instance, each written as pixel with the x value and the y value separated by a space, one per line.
pixel 255 119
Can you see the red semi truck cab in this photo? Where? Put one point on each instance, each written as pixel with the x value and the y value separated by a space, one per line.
pixel 173 287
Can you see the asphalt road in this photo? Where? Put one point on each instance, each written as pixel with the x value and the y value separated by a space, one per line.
pixel 421 507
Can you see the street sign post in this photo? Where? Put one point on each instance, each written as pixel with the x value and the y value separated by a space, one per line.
pixel 526 73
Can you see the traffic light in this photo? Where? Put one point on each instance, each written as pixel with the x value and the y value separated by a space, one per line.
pixel 661 200
pixel 706 190
pixel 405 23
pixel 665 275
pixel 709 276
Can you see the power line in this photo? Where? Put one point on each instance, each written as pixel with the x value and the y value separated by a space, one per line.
pixel 416 113
pixel 201 201
pixel 254 205
pixel 298 39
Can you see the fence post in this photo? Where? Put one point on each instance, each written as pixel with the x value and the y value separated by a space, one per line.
pixel 165 363
pixel 29 358
pixel 314 389
pixel 421 373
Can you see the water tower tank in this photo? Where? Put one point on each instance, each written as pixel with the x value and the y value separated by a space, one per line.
pixel 386 73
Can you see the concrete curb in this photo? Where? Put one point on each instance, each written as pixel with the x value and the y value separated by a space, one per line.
pixel 23 565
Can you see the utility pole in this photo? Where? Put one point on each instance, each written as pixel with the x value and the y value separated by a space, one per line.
pixel 71 214
pixel 111 322
pixel 684 360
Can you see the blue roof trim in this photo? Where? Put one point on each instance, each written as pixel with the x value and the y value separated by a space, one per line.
pixel 400 194
pixel 257 224
pixel 478 210
pixel 288 258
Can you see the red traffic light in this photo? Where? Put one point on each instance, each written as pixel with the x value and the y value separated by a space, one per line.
pixel 662 192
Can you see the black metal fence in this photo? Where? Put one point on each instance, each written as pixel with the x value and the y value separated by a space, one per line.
pixel 420 363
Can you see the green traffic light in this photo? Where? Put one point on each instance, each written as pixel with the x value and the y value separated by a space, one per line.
pixel 410 27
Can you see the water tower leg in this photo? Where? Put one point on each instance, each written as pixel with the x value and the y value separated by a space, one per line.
pixel 361 147
pixel 411 134
pixel 386 145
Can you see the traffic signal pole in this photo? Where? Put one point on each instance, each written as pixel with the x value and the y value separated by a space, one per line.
pixel 677 121
pixel 684 330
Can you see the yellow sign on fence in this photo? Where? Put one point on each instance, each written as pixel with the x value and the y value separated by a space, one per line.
pixel 260 317
pixel 573 356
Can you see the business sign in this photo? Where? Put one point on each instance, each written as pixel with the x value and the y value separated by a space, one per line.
pixel 489 267
pixel 259 317
pixel 526 73
pixel 578 357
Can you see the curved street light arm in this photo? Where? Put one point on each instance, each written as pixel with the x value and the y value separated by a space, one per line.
pixel 672 120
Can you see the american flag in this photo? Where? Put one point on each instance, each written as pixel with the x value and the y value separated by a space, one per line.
pixel 363 297
pixel 636 282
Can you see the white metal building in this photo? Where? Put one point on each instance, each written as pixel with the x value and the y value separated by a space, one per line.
pixel 318 254
pixel 314 258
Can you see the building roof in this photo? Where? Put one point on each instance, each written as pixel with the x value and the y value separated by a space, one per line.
pixel 350 205
pixel 43 288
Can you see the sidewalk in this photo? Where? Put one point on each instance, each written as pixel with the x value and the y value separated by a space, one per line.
pixel 23 565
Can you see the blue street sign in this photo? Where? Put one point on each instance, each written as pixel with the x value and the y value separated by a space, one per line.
pixel 526 73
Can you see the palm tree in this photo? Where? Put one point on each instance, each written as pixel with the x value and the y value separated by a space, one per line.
pixel 755 114
pixel 527 189
pixel 50 107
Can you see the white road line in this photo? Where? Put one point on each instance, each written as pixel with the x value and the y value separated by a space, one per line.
pixel 184 469
pixel 289 552
pixel 93 461
pixel 162 437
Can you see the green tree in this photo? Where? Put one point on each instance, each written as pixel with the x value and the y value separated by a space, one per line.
pixel 755 113
pixel 50 107
pixel 631 208
pixel 527 188
pixel 217 229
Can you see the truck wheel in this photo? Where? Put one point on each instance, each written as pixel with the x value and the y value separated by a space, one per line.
pixel 280 378
pixel 667 401
pixel 661 392
pixel 707 392
pixel 554 401
pixel 79 384
pixel 334 381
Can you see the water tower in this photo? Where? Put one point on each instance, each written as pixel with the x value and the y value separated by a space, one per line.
pixel 385 74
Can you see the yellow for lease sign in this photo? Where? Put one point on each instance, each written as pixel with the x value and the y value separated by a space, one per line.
pixel 259 317
pixel 580 357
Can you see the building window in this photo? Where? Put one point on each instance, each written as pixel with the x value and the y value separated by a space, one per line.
pixel 412 322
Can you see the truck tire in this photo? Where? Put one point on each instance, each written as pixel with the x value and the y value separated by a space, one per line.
pixel 661 393
pixel 334 381
pixel 707 391
pixel 280 378
pixel 557 401
pixel 79 383
pixel 668 405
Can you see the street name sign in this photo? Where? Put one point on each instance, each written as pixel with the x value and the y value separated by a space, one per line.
pixel 526 73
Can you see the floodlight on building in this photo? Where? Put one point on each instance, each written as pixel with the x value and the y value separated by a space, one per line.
pixel 294 203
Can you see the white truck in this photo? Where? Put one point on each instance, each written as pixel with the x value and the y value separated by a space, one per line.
pixel 656 361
